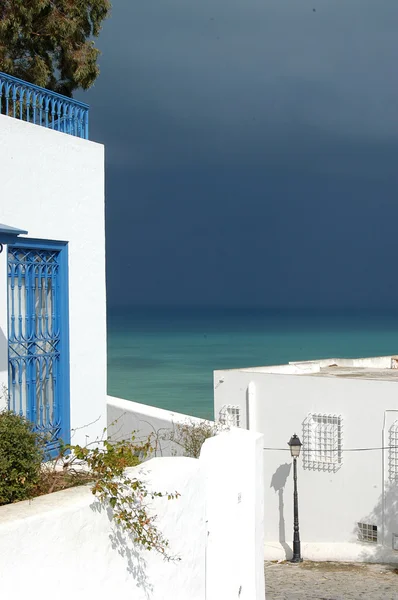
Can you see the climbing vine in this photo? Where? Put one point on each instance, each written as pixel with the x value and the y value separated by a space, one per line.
pixel 25 474
pixel 106 464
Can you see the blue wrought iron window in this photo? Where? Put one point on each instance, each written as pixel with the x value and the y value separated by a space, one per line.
pixel 38 337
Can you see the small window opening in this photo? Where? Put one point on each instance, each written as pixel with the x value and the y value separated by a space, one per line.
pixel 367 533
pixel 230 415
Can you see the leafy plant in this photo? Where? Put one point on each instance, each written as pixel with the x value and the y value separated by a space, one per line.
pixel 49 42
pixel 190 435
pixel 127 495
pixel 21 455
pixel 24 475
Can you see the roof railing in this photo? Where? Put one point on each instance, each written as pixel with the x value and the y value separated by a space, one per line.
pixel 34 104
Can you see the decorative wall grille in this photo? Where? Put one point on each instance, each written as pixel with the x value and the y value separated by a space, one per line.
pixel 393 452
pixel 367 533
pixel 35 330
pixel 322 442
pixel 230 415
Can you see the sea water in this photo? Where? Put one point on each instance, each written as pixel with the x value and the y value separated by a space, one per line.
pixel 166 356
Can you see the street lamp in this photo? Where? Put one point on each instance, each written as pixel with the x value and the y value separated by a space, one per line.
pixel 295 447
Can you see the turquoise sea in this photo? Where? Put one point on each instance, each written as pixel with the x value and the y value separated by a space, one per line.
pixel 166 357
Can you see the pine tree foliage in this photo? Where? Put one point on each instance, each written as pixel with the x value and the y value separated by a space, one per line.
pixel 50 42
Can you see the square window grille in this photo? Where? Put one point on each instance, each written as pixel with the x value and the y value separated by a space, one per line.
pixel 393 452
pixel 367 533
pixel 230 415
pixel 322 442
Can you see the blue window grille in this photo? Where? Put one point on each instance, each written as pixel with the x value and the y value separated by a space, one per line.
pixel 38 353
pixel 31 103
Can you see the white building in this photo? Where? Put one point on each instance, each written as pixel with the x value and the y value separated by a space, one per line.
pixel 53 369
pixel 52 267
pixel 346 413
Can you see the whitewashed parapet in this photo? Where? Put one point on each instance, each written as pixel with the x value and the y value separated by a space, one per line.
pixel 215 527
pixel 125 417
pixel 81 551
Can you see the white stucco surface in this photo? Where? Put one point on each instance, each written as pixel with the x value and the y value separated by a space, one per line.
pixel 77 546
pixel 125 417
pixel 215 527
pixel 52 185
pixel 330 503
pixel 233 464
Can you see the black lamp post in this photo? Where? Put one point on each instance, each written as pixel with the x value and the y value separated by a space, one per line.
pixel 295 447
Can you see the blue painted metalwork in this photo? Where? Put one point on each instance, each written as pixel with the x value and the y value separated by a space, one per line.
pixel 29 102
pixel 9 235
pixel 38 350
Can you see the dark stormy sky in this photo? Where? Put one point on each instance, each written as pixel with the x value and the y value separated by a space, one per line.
pixel 252 152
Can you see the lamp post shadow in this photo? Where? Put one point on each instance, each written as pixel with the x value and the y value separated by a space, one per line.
pixel 278 482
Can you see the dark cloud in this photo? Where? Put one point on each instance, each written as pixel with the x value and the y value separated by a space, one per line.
pixel 251 151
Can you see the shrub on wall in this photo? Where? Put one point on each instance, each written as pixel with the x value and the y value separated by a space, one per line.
pixel 191 435
pixel 24 476
pixel 126 494
pixel 21 455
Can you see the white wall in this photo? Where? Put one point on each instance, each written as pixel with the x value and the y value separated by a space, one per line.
pixel 289 369
pixel 209 527
pixel 331 504
pixel 52 185
pixel 373 362
pixel 125 417
pixel 314 366
pixel 235 515
pixel 82 553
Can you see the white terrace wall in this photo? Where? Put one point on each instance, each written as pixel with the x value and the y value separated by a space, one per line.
pixel 235 515
pixel 125 417
pixel 372 362
pixel 215 526
pixel 52 185
pixel 330 503
pixel 309 366
pixel 83 555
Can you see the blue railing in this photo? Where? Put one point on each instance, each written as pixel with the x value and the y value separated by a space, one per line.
pixel 34 104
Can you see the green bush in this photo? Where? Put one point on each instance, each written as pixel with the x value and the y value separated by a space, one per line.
pixel 21 455
pixel 190 435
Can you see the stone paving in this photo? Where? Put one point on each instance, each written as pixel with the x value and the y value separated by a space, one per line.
pixel 330 581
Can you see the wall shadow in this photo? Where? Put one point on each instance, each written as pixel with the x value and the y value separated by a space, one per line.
pixel 122 542
pixel 278 482
pixel 386 527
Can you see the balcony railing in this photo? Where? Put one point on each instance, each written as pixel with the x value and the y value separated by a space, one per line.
pixel 34 104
